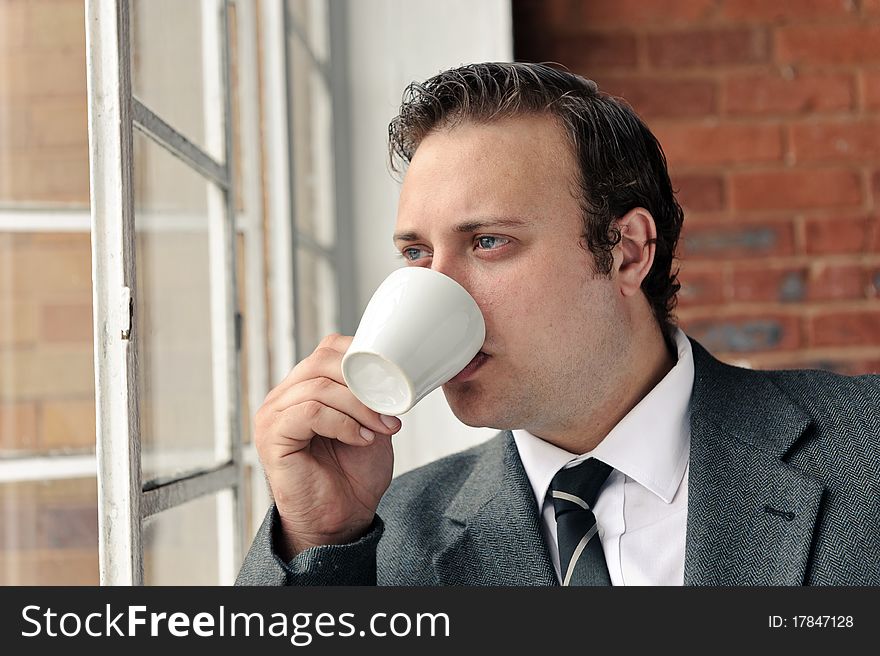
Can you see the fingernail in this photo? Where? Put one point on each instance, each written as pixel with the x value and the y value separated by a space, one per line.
pixel 391 422
pixel 367 434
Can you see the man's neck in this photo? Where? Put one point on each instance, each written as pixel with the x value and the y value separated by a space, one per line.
pixel 646 367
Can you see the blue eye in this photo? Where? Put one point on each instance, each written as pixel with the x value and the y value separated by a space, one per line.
pixel 411 254
pixel 489 242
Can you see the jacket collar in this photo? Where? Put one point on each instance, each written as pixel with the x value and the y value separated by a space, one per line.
pixel 498 538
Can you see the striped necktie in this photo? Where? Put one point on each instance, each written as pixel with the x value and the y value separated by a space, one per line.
pixel 574 491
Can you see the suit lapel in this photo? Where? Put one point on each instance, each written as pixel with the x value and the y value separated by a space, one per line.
pixel 751 515
pixel 496 537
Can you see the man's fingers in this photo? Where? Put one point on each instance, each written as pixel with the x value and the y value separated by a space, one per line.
pixel 298 424
pixel 337 342
pixel 338 396
pixel 325 360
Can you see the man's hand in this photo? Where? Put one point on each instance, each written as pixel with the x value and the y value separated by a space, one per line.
pixel 328 457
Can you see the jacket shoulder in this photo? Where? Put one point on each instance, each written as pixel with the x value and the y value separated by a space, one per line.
pixel 830 396
pixel 433 486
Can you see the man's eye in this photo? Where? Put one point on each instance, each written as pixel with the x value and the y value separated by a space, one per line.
pixel 489 242
pixel 411 254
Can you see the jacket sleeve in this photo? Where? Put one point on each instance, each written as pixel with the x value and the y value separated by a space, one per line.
pixel 343 564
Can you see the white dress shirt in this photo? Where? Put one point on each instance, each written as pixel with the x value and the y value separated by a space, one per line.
pixel 642 508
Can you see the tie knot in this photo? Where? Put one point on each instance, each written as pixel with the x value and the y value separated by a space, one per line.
pixel 578 486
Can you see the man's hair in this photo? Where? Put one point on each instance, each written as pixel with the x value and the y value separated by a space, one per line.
pixel 621 165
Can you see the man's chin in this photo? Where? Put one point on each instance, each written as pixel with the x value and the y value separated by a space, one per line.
pixel 471 407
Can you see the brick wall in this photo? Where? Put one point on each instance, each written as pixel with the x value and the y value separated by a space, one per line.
pixel 769 113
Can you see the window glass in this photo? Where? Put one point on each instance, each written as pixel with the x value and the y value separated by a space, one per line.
pixel 49 532
pixel 317 305
pixel 181 544
pixel 44 156
pixel 47 389
pixel 173 315
pixel 311 123
pixel 166 63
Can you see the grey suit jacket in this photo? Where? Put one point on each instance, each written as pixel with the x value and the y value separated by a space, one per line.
pixel 783 489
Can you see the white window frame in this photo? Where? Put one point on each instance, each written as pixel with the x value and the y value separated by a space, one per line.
pixel 123 500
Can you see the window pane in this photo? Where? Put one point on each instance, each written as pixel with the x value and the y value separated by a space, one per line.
pixel 49 532
pixel 167 69
pixel 47 379
pixel 173 316
pixel 44 156
pixel 312 124
pixel 181 544
pixel 317 300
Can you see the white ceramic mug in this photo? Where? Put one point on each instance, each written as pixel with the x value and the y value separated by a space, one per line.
pixel 419 330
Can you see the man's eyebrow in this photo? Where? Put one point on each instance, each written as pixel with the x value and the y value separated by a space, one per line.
pixel 471 226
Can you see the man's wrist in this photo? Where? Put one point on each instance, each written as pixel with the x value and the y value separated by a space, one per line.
pixel 290 541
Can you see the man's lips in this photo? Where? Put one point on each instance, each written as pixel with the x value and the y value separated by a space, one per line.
pixel 465 374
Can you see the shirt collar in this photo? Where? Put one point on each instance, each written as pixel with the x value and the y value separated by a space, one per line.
pixel 650 444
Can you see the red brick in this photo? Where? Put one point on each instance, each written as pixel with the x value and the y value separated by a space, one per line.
pixel 59 123
pixel 784 190
pixel 875 188
pixel 68 424
pixel 871 7
pixel 582 53
pixel 720 241
pixel 699 193
pixel 823 44
pixel 18 427
pixel 766 94
pixel 871 85
pixel 603 13
pixel 17 132
pixel 746 334
pixel 42 73
pixel 858 328
pixel 664 97
pixel 70 527
pixel 836 283
pixel 786 284
pixel 830 141
pixel 785 10
pixel 13 25
pixel 57 25
pixel 700 287
pixel 66 323
pixel 818 282
pixel 838 235
pixel 709 47
pixel 691 143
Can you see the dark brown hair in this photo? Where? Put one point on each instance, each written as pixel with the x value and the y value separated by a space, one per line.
pixel 621 164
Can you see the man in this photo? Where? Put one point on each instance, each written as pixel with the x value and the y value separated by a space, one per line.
pixel 551 204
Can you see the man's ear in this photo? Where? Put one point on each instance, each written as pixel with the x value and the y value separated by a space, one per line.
pixel 634 255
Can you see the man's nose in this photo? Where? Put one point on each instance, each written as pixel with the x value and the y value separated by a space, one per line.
pixel 451 267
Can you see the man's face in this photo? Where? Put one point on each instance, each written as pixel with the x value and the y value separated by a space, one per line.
pixel 493 206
